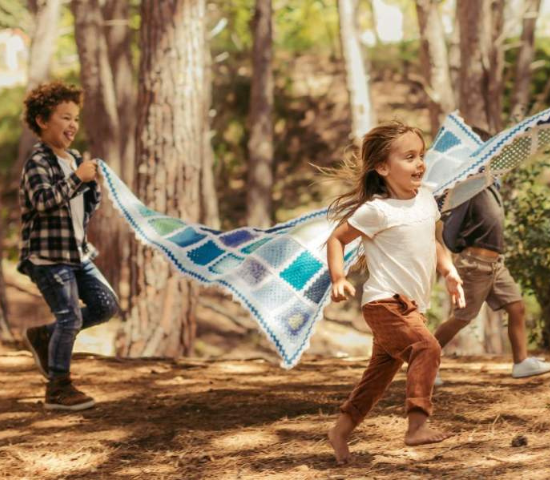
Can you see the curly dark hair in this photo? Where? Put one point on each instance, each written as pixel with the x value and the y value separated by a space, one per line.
pixel 42 100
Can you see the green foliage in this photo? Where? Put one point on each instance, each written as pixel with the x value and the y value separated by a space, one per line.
pixel 527 206
pixel 14 14
pixel 235 17
pixel 298 27
pixel 306 25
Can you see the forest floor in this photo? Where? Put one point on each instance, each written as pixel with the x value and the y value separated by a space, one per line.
pixel 196 419
pixel 240 416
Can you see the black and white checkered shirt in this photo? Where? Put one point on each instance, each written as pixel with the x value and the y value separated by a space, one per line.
pixel 47 231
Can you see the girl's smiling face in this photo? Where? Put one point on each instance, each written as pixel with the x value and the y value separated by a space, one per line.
pixel 404 168
pixel 60 129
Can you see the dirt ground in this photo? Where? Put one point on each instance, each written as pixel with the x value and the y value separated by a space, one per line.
pixel 192 419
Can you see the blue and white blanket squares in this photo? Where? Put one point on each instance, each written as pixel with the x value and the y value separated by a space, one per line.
pixel 460 165
pixel 280 274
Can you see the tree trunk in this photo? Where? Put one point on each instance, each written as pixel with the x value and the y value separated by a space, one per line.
pixel 5 332
pixel 495 44
pixel 210 214
pixel 522 84
pixel 44 37
pixel 473 78
pixel 357 79
pixel 454 58
pixel 260 144
pixel 435 63
pixel 170 146
pixel 118 37
pixel 102 125
pixel 481 56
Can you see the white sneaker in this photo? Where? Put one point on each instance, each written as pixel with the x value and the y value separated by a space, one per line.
pixel 529 367
pixel 438 381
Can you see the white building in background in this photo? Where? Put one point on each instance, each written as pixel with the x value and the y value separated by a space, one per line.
pixel 14 56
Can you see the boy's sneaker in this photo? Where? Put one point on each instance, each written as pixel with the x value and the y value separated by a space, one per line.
pixel 438 381
pixel 61 394
pixel 529 367
pixel 38 340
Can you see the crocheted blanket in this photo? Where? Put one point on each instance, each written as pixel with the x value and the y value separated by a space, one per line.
pixel 460 165
pixel 280 274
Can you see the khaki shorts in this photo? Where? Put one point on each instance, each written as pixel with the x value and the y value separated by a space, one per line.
pixel 485 280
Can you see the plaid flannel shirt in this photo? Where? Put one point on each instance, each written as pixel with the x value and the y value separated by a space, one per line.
pixel 46 225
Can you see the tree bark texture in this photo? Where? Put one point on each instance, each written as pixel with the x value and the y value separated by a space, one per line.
pixel 170 146
pixel 260 143
pixel 101 118
pixel 435 62
pixel 481 54
pixel 522 82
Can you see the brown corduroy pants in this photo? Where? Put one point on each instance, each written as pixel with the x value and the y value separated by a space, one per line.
pixel 400 335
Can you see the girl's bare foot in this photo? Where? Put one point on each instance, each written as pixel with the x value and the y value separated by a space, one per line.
pixel 424 435
pixel 419 433
pixel 338 437
pixel 339 444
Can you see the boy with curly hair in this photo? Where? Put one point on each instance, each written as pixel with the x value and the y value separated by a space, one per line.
pixel 58 194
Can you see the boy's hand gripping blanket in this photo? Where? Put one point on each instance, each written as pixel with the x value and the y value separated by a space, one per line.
pixel 280 274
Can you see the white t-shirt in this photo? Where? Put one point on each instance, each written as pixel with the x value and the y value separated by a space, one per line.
pixel 399 243
pixel 76 203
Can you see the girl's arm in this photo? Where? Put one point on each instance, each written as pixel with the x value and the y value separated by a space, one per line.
pixel 339 238
pixel 446 268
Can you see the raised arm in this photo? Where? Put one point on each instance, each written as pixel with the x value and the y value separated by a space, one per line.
pixel 47 196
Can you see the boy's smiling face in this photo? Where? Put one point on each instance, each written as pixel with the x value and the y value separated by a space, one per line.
pixel 60 129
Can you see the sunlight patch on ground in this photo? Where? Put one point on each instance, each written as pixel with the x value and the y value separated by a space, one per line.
pixel 247 440
pixel 56 422
pixel 10 416
pixel 14 433
pixel 179 380
pixel 147 472
pixel 45 463
pixel 110 435
pixel 481 367
pixel 248 368
pixel 15 360
pixel 269 379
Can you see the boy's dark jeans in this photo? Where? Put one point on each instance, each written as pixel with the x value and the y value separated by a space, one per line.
pixel 62 286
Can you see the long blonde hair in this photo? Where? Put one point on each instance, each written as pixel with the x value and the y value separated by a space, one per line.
pixel 358 170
